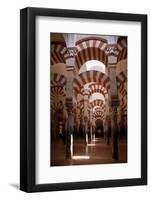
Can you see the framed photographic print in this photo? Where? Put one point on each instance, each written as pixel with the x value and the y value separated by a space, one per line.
pixel 83 99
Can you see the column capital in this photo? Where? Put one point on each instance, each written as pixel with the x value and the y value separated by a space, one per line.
pixel 71 51
pixel 112 50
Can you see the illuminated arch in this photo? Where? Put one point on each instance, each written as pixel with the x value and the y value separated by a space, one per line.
pixel 92 65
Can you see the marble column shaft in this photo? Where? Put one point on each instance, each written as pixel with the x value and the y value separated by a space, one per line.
pixel 86 118
pixel 70 118
pixel 69 128
pixel 114 102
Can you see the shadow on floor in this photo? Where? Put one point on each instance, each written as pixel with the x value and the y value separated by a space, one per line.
pixel 15 185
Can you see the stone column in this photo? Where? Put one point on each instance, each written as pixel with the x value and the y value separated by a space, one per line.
pixel 86 115
pixel 69 108
pixel 115 131
pixel 82 125
pixel 106 122
pixel 91 128
pixel 86 129
pixel 108 131
pixel 53 121
pixel 105 130
pixel 70 62
pixel 76 121
pixel 69 136
pixel 114 102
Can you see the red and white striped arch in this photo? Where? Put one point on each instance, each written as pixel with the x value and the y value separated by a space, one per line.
pixel 58 51
pixel 95 87
pixel 58 79
pixel 121 77
pixel 98 108
pixel 98 115
pixel 57 90
pixel 97 102
pixel 88 77
pixel 122 47
pixel 57 93
pixel 80 105
pixel 91 48
pixel 91 42
pixel 90 54
pixel 122 88
pixel 58 83
pixel 123 98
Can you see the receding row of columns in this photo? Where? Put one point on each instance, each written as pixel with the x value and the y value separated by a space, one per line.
pixel 114 103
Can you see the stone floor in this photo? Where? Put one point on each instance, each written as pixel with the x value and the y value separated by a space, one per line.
pixel 97 152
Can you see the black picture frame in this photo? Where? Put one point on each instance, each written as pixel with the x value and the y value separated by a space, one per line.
pixel 28 98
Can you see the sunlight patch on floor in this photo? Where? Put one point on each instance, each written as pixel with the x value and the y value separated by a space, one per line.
pixel 80 157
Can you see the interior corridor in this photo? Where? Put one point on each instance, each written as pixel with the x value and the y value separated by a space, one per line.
pixel 96 152
pixel 88 99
